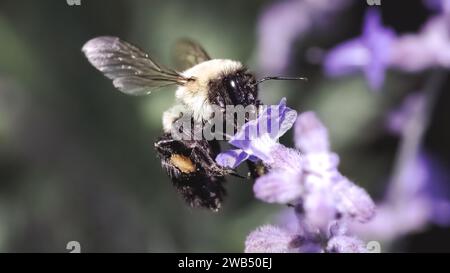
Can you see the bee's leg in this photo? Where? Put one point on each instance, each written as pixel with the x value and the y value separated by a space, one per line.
pixel 193 171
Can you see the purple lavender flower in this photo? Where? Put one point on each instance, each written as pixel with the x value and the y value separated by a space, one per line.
pixel 257 137
pixel 370 52
pixel 307 178
pixel 278 187
pixel 346 244
pixel 304 238
pixel 269 239
pixel 330 192
pixel 340 241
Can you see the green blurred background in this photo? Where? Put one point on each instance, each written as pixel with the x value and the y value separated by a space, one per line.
pixel 76 156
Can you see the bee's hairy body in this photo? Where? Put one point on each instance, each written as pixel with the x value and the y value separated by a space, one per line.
pixel 217 82
pixel 210 88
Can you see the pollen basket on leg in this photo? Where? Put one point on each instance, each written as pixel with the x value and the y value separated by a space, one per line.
pixel 183 163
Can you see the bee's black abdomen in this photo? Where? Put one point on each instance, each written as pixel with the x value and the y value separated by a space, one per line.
pixel 194 173
pixel 201 191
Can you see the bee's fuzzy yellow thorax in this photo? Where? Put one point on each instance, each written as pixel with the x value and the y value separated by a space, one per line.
pixel 195 93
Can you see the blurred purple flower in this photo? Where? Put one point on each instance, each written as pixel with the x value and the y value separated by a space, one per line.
pixel 424 179
pixel 398 118
pixel 378 48
pixel 421 176
pixel 284 22
pixel 442 6
pixel 418 192
pixel 429 48
pixel 419 197
pixel 370 52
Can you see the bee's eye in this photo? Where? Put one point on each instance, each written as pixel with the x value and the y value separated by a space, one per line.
pixel 234 90
pixel 238 89
pixel 232 84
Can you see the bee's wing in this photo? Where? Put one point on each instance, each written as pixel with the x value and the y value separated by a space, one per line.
pixel 189 53
pixel 132 70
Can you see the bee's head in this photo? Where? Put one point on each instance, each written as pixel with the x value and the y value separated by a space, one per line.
pixel 234 88
pixel 237 87
pixel 220 82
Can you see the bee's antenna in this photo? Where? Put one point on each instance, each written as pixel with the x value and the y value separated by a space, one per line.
pixel 278 78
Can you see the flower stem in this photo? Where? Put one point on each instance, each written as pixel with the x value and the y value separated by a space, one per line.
pixel 415 128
